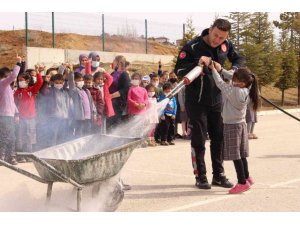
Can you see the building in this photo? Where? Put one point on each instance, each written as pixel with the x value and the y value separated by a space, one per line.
pixel 162 40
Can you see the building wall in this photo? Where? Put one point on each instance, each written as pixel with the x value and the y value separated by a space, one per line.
pixel 53 57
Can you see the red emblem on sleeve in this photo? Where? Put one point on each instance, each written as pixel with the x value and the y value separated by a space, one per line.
pixel 182 55
pixel 224 47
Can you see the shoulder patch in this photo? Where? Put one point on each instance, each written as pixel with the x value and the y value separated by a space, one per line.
pixel 182 55
pixel 224 47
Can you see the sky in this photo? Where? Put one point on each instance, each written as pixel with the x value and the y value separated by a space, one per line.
pixel 167 24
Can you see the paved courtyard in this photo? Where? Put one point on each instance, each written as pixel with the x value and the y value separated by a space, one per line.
pixel 162 180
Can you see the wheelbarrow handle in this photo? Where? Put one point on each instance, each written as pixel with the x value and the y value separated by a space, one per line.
pixel 24 172
pixel 51 169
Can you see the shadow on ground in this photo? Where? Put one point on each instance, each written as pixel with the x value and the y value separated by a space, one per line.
pixel 279 156
pixel 161 191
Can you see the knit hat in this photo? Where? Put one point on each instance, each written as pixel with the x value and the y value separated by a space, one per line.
pixel 146 78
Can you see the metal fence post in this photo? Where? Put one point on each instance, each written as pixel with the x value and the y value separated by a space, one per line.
pixel 146 36
pixel 53 32
pixel 26 29
pixel 103 34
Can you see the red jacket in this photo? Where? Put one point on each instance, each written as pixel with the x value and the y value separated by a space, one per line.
pixel 25 99
pixel 97 99
pixel 109 110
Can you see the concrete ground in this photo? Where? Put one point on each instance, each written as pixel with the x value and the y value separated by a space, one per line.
pixel 162 180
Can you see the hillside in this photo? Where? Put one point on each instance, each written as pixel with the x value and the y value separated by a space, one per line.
pixel 13 42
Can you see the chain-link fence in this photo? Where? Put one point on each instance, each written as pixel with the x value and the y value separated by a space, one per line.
pixel 51 30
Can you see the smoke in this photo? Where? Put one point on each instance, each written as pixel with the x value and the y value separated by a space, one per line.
pixel 99 197
pixel 136 127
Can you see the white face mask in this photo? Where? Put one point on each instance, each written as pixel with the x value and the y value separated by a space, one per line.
pixel 155 84
pixel 95 64
pixel 135 82
pixel 58 86
pixel 34 79
pixel 80 84
pixel 23 84
pixel 145 83
pixel 151 94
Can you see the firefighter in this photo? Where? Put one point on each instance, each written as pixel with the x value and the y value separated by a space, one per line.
pixel 203 99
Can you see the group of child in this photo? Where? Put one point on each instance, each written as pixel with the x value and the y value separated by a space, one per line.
pixel 41 111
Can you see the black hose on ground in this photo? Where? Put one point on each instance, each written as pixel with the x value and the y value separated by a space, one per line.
pixel 277 107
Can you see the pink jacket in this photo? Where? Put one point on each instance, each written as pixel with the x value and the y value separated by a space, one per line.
pixel 109 109
pixel 7 103
pixel 136 94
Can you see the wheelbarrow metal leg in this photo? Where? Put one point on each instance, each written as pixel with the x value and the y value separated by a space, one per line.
pixel 49 191
pixel 79 197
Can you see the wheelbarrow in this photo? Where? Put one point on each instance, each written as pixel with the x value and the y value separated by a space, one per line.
pixel 80 162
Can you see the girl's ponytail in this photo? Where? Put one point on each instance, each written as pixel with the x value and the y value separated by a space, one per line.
pixel 254 93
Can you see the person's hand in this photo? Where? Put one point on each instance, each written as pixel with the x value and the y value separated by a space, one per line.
pixel 39 68
pixel 19 58
pixel 42 68
pixel 212 66
pixel 182 109
pixel 141 106
pixel 36 67
pixel 204 60
pixel 113 95
pixel 137 105
pixel 70 67
pixel 67 71
pixel 217 66
pixel 173 117
pixel 23 58
pixel 162 117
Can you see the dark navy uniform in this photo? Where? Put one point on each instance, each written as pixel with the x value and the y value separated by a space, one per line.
pixel 203 100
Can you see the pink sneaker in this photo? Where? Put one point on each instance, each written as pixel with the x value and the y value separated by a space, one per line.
pixel 239 188
pixel 250 180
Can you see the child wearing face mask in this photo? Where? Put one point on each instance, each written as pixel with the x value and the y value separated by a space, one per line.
pixel 152 114
pixel 137 98
pixel 56 113
pixel 93 65
pixel 97 99
pixel 103 80
pixel 83 106
pixel 25 99
pixel 8 112
pixel 145 81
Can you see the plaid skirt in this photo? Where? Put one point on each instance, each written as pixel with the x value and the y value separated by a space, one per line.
pixel 236 144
